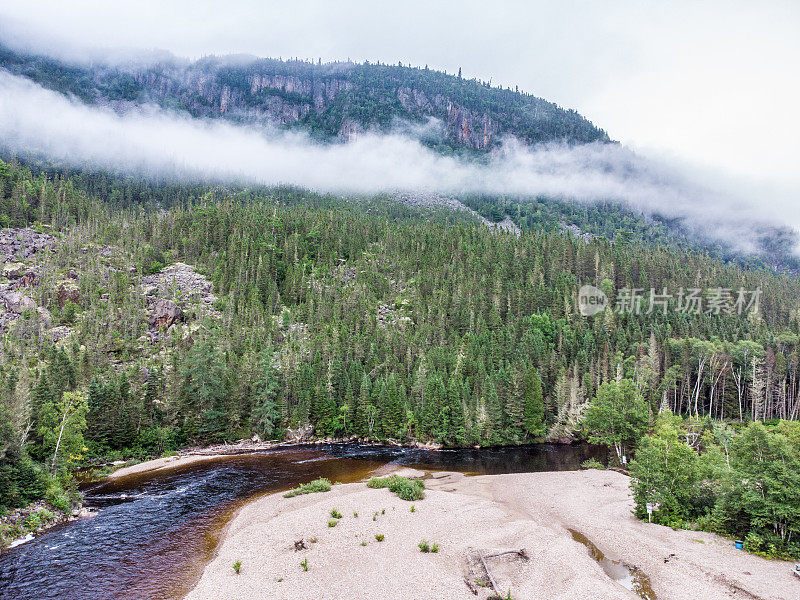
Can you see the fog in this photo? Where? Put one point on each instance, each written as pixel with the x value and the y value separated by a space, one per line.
pixel 150 141
pixel 708 82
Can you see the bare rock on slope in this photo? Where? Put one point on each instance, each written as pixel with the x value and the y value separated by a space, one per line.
pixel 68 290
pixel 164 314
pixel 13 270
pixel 17 302
pixel 177 293
pixel 22 243
pixel 180 282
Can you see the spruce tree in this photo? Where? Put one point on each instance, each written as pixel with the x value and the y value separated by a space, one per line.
pixel 534 404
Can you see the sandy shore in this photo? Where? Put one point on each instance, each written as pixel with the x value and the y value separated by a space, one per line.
pixel 168 462
pixel 210 453
pixel 464 514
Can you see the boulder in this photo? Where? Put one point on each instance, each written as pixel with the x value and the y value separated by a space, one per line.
pixel 17 302
pixel 165 313
pixel 45 317
pixel 301 434
pixel 29 279
pixel 68 290
pixel 13 270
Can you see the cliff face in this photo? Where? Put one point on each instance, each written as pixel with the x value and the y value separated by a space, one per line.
pixel 339 100
pixel 286 100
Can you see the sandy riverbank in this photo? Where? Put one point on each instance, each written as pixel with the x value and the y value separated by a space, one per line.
pixel 461 514
pixel 168 462
pixel 209 453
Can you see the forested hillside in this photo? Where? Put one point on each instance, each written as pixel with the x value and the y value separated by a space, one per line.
pixel 131 329
pixel 330 101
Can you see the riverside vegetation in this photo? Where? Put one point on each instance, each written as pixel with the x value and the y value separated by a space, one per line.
pixel 367 318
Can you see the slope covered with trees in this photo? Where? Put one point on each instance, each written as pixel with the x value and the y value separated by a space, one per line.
pixel 330 101
pixel 387 323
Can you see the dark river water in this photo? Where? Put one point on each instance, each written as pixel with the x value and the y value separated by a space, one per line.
pixel 154 532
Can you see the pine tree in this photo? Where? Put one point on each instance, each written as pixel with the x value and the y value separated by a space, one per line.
pixel 534 404
pixel 266 415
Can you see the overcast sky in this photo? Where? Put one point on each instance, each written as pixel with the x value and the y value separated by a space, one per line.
pixel 714 84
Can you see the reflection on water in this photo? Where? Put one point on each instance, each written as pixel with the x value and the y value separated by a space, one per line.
pixel 631 578
pixel 153 532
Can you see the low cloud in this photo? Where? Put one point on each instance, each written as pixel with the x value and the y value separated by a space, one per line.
pixel 150 141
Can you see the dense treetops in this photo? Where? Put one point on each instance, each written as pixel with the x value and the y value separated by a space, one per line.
pixel 377 321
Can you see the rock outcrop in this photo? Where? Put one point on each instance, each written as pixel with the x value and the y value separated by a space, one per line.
pixel 21 244
pixel 164 313
pixel 174 292
pixel 13 270
pixel 18 247
pixel 68 290
pixel 17 302
pixel 180 280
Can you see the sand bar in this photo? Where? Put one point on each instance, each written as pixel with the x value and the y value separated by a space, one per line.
pixel 466 514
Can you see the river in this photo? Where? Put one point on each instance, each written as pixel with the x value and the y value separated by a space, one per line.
pixel 154 532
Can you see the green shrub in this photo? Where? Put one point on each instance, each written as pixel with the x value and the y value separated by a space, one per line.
pixel 378 482
pixel 304 564
pixel 753 543
pixel 707 522
pixel 424 546
pixel 57 497
pixel 405 488
pixel 237 566
pixel 333 523
pixel 31 521
pixel 335 514
pixel 69 312
pixel 379 537
pixel 592 463
pixel 434 547
pixel 318 485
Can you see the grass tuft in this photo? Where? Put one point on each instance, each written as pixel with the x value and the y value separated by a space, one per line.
pixel 405 488
pixel 592 463
pixel 318 485
pixel 379 537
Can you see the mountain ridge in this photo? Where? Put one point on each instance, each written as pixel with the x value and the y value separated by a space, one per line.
pixel 329 100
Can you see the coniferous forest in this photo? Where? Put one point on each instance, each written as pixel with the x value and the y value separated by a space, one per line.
pixel 290 313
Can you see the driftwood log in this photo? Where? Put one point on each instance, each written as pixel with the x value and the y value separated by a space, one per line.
pixel 521 553
pixel 489 573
